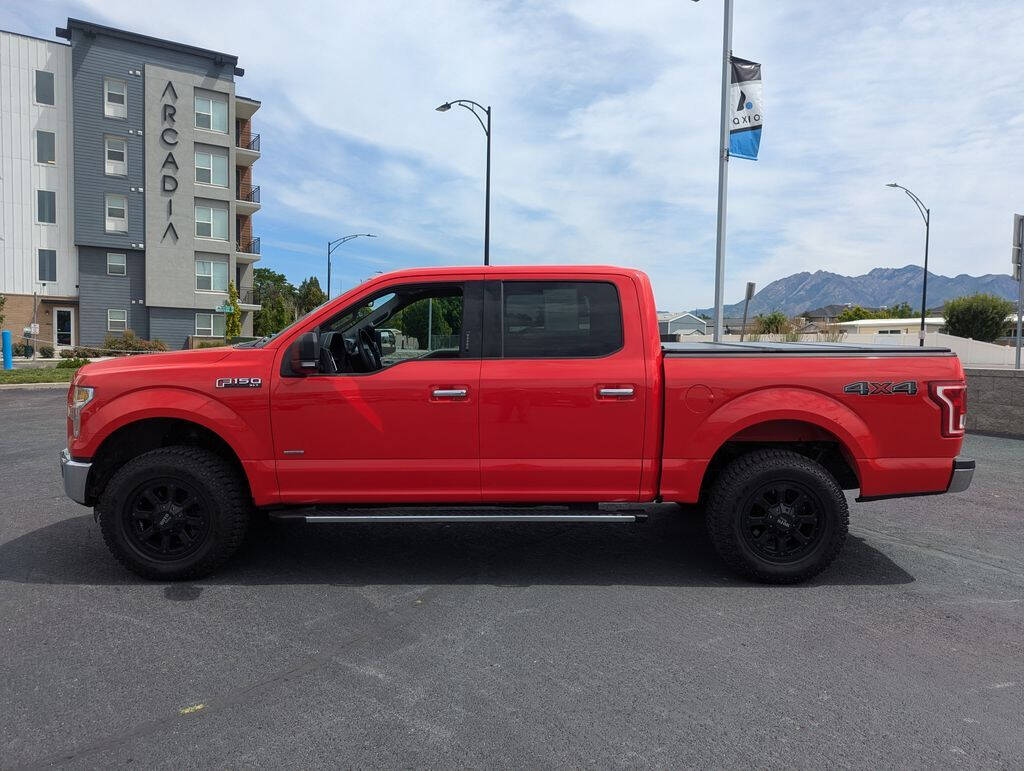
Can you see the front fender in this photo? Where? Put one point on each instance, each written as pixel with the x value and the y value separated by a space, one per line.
pixel 170 402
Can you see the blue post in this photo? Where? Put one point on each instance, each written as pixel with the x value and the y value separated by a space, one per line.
pixel 6 335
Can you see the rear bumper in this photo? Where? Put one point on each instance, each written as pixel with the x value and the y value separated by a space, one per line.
pixel 75 475
pixel 959 480
pixel 963 473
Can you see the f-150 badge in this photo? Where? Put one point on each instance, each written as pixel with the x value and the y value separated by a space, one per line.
pixel 239 382
pixel 864 388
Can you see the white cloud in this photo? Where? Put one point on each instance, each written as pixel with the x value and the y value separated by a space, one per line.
pixel 605 129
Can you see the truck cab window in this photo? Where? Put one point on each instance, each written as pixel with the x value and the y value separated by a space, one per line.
pixel 421 321
pixel 560 319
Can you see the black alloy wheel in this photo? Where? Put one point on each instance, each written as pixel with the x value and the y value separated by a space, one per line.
pixel 782 521
pixel 167 519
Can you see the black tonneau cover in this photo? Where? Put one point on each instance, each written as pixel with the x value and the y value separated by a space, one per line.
pixel 759 349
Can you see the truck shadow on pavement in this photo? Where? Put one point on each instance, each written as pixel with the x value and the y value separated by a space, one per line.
pixel 670 549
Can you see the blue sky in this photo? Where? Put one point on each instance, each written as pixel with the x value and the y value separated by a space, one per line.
pixel 605 131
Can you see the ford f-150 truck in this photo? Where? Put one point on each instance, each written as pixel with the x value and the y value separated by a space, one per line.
pixel 505 390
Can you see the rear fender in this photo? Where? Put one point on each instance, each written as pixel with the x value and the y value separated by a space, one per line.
pixel 682 477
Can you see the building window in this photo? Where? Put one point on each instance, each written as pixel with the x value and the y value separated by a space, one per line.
pixel 211 222
pixel 46 207
pixel 209 325
pixel 116 264
pixel 46 147
pixel 211 275
pixel 212 113
pixel 212 167
pixel 117 214
pixel 117 320
pixel 890 331
pixel 47 264
pixel 44 87
pixel 115 98
pixel 116 157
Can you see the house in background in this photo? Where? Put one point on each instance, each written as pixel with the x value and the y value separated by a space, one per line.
pixel 892 326
pixel 681 324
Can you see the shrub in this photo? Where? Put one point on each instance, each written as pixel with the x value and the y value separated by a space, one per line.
pixel 774 323
pixel 977 316
pixel 67 353
pixel 46 351
pixel 71 363
pixel 210 344
pixel 130 343
pixel 18 349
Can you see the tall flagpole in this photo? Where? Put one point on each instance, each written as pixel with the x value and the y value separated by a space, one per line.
pixel 723 171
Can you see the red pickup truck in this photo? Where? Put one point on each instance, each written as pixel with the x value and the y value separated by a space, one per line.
pixel 497 390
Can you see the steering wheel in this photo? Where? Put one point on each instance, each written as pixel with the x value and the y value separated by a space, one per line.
pixel 368 348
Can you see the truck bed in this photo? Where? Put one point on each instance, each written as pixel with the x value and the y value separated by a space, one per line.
pixel 772 349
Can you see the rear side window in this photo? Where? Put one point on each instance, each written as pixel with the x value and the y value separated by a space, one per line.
pixel 559 319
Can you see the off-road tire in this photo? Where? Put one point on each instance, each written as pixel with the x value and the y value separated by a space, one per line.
pixel 223 493
pixel 729 501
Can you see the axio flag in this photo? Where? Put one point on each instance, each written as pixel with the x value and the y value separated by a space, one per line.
pixel 747 112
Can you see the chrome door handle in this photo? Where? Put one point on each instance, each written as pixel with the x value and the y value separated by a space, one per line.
pixel 449 393
pixel 615 392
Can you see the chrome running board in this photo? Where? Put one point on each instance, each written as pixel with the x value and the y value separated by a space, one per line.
pixel 429 518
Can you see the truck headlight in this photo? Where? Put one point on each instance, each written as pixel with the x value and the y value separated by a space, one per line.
pixel 81 396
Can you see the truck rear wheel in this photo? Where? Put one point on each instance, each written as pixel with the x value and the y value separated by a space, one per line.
pixel 776 516
pixel 174 513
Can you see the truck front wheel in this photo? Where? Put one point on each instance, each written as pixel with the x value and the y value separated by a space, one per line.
pixel 776 516
pixel 174 513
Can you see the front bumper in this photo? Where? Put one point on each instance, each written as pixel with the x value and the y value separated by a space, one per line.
pixel 75 475
pixel 963 473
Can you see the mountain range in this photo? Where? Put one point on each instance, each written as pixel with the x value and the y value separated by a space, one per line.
pixel 881 287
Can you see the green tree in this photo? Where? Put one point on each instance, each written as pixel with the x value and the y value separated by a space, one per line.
pixel 900 311
pixel 444 313
pixel 277 297
pixel 309 295
pixel 977 316
pixel 233 320
pixel 774 323
pixel 855 313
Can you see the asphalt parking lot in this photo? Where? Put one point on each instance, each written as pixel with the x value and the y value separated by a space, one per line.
pixel 539 646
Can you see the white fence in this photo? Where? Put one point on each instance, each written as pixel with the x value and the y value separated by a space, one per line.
pixel 971 352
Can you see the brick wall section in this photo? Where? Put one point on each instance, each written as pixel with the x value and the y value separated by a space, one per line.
pixel 243 132
pixel 995 401
pixel 18 315
pixel 244 230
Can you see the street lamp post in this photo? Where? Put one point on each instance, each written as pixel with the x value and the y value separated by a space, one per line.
pixel 332 245
pixel 472 106
pixel 926 215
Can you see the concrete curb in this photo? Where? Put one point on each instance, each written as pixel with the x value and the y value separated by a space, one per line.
pixel 5 386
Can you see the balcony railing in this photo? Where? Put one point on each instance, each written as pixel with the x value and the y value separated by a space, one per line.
pixel 253 143
pixel 252 247
pixel 246 296
pixel 248 193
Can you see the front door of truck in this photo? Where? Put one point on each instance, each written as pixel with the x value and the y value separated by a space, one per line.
pixel 399 424
pixel 563 391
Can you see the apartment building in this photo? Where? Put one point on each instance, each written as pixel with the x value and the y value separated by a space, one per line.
pixel 38 261
pixel 160 196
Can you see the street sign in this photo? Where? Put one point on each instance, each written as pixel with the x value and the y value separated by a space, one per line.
pixel 224 309
pixel 35 329
pixel 751 290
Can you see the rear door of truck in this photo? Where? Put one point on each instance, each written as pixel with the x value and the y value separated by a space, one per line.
pixel 562 388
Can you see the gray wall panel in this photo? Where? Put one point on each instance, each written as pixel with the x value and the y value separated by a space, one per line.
pixel 100 292
pixel 172 325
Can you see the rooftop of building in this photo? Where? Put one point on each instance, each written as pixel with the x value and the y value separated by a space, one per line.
pixel 91 28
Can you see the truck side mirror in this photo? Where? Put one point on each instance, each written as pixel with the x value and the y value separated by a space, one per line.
pixel 305 354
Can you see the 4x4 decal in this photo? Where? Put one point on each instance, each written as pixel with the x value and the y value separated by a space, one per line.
pixel 866 388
